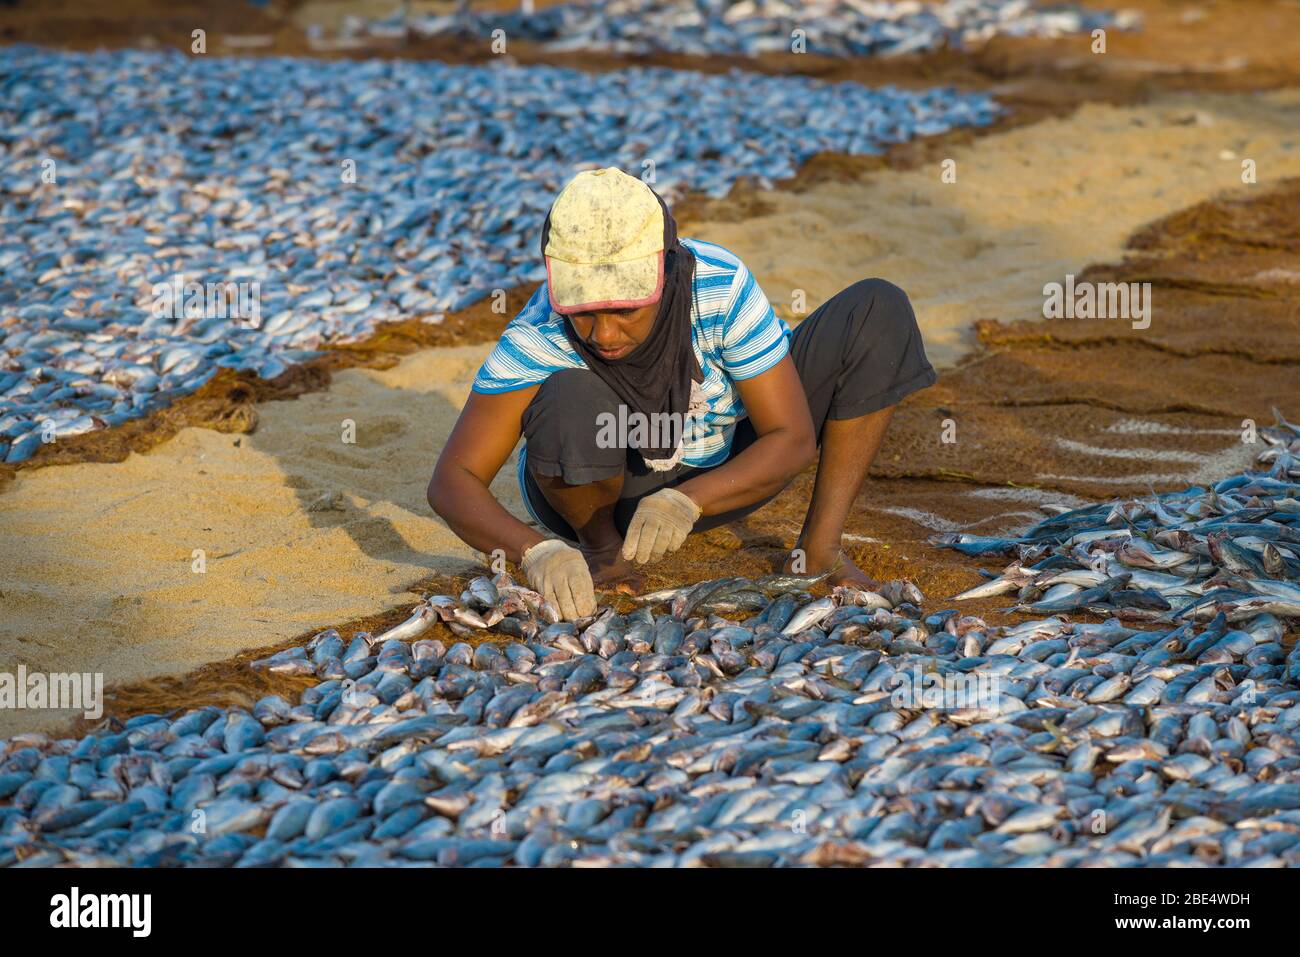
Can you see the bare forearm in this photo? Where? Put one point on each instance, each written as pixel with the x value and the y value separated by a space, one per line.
pixel 477 518
pixel 757 473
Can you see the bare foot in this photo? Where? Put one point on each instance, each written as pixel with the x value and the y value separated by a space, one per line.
pixel 841 567
pixel 610 570
pixel 850 574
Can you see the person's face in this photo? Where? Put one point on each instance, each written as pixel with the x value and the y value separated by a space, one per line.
pixel 614 333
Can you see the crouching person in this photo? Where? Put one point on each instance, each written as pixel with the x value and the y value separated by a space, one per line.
pixel 658 394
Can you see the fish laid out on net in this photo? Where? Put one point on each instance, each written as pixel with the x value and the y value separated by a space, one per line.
pixel 846 729
pixel 170 216
pixel 1225 553
pixel 840 28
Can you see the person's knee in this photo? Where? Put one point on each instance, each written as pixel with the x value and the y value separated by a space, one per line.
pixel 578 388
pixel 883 303
pixel 562 428
pixel 879 314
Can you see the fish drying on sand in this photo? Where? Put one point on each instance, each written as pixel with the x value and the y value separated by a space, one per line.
pixel 658 394
pixel 1231 551
pixel 842 729
pixel 843 28
pixel 851 728
pixel 745 722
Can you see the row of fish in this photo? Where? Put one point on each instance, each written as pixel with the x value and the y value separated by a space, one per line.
pixel 842 28
pixel 851 728
pixel 166 216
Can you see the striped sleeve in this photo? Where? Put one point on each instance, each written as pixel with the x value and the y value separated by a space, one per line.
pixel 525 355
pixel 754 339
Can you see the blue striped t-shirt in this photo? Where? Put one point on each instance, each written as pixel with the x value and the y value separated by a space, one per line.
pixel 733 328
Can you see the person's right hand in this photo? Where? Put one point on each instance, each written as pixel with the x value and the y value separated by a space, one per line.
pixel 560 574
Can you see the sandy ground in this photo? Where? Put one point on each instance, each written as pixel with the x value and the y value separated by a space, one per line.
pixel 1027 208
pixel 300 530
pixel 296 528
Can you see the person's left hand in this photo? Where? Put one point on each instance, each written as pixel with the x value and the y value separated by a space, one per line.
pixel 660 525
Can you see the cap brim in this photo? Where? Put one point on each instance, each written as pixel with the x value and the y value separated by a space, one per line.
pixel 588 287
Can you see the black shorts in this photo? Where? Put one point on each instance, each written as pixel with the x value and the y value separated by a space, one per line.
pixel 858 353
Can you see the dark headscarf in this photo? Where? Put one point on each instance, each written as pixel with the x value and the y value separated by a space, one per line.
pixel 656 376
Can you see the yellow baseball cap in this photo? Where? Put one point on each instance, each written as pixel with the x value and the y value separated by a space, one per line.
pixel 605 245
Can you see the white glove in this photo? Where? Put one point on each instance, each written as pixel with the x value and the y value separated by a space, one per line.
pixel 560 573
pixel 660 525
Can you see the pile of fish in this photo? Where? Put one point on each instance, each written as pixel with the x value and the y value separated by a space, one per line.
pixel 330 197
pixel 847 729
pixel 842 28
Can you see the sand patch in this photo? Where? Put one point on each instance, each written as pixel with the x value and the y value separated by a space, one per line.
pixel 297 530
pixel 1029 207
